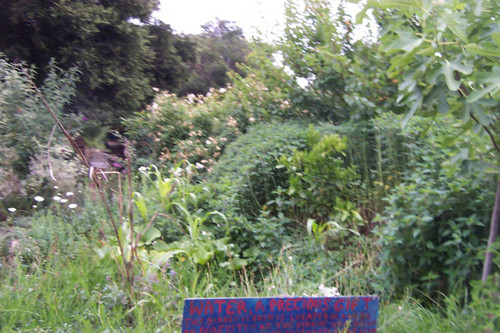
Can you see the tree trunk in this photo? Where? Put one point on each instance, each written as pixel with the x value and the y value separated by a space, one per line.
pixel 495 217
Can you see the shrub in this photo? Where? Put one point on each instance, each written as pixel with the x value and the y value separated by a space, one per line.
pixel 250 162
pixel 191 128
pixel 432 231
pixel 320 181
pixel 25 126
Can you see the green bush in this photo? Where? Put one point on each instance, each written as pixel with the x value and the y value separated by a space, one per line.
pixel 25 129
pixel 320 181
pixel 432 231
pixel 250 163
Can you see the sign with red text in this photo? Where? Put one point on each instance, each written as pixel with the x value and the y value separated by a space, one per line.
pixel 355 314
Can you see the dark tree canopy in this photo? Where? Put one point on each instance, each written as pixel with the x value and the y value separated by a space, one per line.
pixel 119 53
pixel 118 59
pixel 220 48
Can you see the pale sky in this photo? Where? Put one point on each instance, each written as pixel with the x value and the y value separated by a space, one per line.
pixel 186 16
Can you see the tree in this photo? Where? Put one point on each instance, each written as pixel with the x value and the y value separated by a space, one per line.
pixel 219 49
pixel 172 53
pixel 116 57
pixel 446 55
pixel 344 79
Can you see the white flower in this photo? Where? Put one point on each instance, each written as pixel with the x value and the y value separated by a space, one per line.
pixel 69 194
pixel 11 209
pixel 251 119
pixel 56 187
pixel 208 142
pixel 222 90
pixel 329 292
pixel 143 169
pixel 56 198
pixel 72 206
pixel 199 166
pixel 178 172
pixel 34 206
pixel 38 198
pixel 63 200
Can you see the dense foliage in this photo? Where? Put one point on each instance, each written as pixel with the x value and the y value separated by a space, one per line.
pixel 120 54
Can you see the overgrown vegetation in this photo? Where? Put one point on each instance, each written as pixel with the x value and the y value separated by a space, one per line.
pixel 266 187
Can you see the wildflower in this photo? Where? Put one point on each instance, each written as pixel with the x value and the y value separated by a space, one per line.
pixel 199 166
pixel 56 198
pixel 56 187
pixel 117 165
pixel 34 206
pixel 208 142
pixel 63 200
pixel 69 194
pixel 251 119
pixel 38 198
pixel 85 118
pixel 143 169
pixel 11 209
pixel 72 206
pixel 178 172
pixel 328 292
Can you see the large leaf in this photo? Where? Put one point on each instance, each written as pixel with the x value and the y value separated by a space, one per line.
pixel 202 255
pixel 484 50
pixel 491 82
pixel 149 236
pixel 238 263
pixel 406 41
pixel 448 70
pixel 456 23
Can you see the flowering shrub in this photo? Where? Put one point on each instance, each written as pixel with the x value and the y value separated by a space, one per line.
pixel 188 128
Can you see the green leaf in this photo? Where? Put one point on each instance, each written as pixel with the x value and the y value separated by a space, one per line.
pixel 407 41
pixel 151 234
pixel 161 245
pixel 141 205
pixel 496 38
pixel 417 103
pixel 492 81
pixel 448 70
pixel 202 256
pixel 456 23
pixel 487 51
pixel 238 263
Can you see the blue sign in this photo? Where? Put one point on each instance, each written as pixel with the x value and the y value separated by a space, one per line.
pixel 356 314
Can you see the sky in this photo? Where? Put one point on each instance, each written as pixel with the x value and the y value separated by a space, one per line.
pixel 186 16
